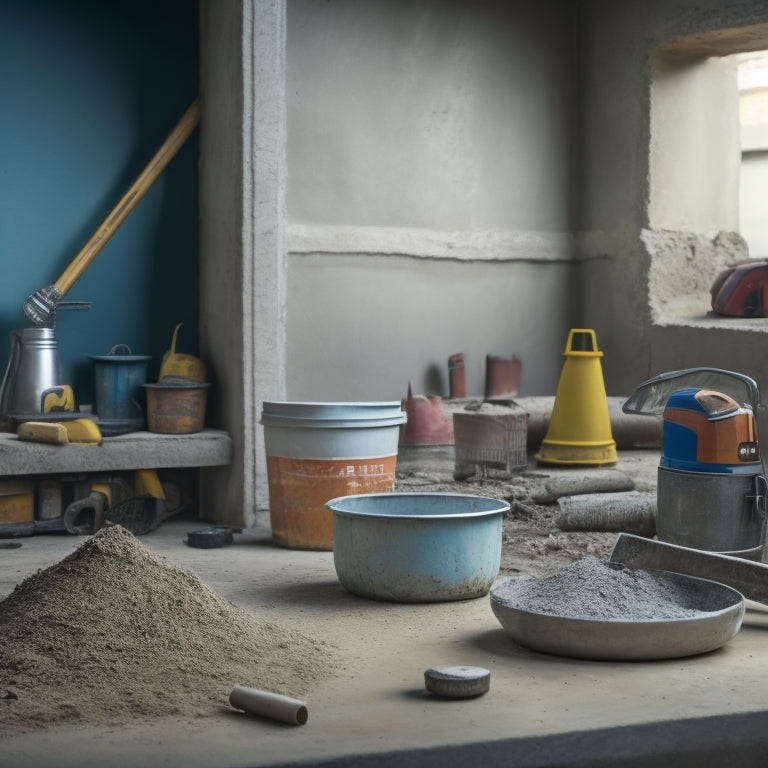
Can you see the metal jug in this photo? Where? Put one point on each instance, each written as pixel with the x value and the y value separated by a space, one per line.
pixel 33 368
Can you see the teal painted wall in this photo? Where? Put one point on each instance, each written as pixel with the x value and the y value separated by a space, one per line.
pixel 88 92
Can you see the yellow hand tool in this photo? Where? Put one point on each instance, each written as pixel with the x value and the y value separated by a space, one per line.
pixel 80 431
pixel 60 398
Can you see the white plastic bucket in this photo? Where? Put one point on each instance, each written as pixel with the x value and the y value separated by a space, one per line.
pixel 320 451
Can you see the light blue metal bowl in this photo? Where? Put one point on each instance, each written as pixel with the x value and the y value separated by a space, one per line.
pixel 417 547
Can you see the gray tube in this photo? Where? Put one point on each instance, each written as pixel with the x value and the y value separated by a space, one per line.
pixel 629 430
pixel 629 512
pixel 575 482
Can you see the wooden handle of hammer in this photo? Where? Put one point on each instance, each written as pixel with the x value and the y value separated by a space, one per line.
pixel 138 189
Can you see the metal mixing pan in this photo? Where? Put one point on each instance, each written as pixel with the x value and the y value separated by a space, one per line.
pixel 719 611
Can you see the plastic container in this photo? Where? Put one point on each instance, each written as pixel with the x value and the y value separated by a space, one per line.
pixel 119 398
pixel 417 547
pixel 319 451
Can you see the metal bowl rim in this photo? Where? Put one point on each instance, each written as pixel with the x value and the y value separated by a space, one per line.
pixel 501 506
pixel 735 606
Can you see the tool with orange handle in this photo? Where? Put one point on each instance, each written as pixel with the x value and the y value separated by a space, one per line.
pixel 40 307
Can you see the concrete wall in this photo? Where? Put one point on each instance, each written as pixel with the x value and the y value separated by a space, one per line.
pixel 440 151
pixel 473 177
pixel 754 160
pixel 242 238
pixel 431 157
pixel 613 188
pixel 382 322
pixel 754 223
pixel 660 184
pixel 695 152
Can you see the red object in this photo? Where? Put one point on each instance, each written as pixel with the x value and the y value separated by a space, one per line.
pixel 741 291
pixel 456 377
pixel 428 422
pixel 502 377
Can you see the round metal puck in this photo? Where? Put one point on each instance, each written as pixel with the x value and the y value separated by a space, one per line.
pixel 457 682
pixel 209 538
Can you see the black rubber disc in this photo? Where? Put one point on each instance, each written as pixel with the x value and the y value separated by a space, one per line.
pixel 209 538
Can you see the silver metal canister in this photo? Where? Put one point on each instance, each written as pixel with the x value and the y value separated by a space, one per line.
pixel 33 368
pixel 717 512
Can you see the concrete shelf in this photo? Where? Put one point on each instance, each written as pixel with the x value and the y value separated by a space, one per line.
pixel 135 450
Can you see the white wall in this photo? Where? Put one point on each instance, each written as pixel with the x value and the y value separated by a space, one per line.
pixel 754 162
pixel 431 167
pixel 754 197
pixel 369 326
pixel 695 151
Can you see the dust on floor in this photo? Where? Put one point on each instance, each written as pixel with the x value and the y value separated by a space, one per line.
pixel 113 633
pixel 532 542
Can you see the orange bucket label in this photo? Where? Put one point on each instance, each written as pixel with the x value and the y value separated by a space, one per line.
pixel 299 489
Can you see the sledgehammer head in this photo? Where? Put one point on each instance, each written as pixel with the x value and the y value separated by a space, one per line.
pixel 40 307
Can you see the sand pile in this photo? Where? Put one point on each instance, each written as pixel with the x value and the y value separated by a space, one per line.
pixel 112 633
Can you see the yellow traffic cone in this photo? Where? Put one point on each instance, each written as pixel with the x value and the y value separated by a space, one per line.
pixel 579 429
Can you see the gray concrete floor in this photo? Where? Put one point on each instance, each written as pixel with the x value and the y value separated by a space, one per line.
pixel 541 710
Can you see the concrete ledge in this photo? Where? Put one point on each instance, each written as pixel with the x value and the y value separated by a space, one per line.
pixel 708 742
pixel 135 450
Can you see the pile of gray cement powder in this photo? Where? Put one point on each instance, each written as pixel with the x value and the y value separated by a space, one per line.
pixel 595 589
pixel 113 633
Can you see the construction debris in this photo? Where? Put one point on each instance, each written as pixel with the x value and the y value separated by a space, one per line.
pixel 629 512
pixel 583 481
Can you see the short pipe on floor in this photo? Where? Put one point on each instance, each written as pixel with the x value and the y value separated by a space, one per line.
pixel 267 704
pixel 628 430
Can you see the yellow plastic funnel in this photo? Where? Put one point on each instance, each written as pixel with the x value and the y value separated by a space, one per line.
pixel 579 429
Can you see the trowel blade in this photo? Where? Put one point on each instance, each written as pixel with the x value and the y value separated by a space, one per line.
pixel 747 576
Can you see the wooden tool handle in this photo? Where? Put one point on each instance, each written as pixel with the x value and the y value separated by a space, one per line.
pixel 138 189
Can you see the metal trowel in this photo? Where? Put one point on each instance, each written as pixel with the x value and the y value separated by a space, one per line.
pixel 747 576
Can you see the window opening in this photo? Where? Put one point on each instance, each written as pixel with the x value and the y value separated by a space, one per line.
pixel 752 73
